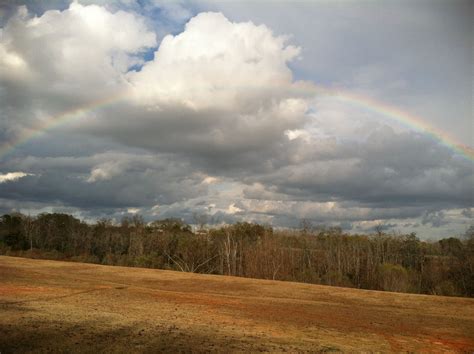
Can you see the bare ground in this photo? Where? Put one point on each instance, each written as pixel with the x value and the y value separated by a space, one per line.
pixel 51 306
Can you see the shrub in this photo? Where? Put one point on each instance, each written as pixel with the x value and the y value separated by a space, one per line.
pixel 446 288
pixel 392 277
pixel 4 249
pixel 86 258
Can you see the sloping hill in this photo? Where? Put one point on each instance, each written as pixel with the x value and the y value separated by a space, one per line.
pixel 61 306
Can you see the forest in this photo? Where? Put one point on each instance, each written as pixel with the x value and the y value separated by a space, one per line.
pixel 318 255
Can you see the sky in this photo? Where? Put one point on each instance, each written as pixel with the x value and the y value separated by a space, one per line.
pixel 355 114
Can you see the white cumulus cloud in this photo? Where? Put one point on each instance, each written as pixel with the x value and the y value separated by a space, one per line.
pixel 13 176
pixel 215 62
pixel 106 171
pixel 217 90
pixel 82 45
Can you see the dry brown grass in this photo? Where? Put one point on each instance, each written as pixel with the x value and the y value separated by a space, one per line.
pixel 74 307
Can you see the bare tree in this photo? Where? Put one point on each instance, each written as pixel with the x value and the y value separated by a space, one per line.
pixel 28 229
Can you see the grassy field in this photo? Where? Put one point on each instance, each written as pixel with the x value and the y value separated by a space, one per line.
pixel 59 306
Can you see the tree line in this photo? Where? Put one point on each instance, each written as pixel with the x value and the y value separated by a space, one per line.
pixel 378 261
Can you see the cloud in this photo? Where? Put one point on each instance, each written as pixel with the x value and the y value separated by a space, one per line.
pixel 232 209
pixel 214 120
pixel 13 176
pixel 82 45
pixel 383 168
pixel 296 133
pixel 241 99
pixel 105 171
pixel 468 213
pixel 210 180
pixel 60 60
pixel 144 181
pixel 133 210
pixel 227 63
pixel 212 94
pixel 435 218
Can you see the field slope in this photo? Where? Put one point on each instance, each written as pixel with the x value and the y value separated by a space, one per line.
pixel 61 306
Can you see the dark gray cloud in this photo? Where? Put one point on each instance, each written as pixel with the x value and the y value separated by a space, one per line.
pixel 109 180
pixel 385 170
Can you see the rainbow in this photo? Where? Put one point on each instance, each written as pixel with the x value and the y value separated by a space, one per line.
pixel 393 113
pixel 56 120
